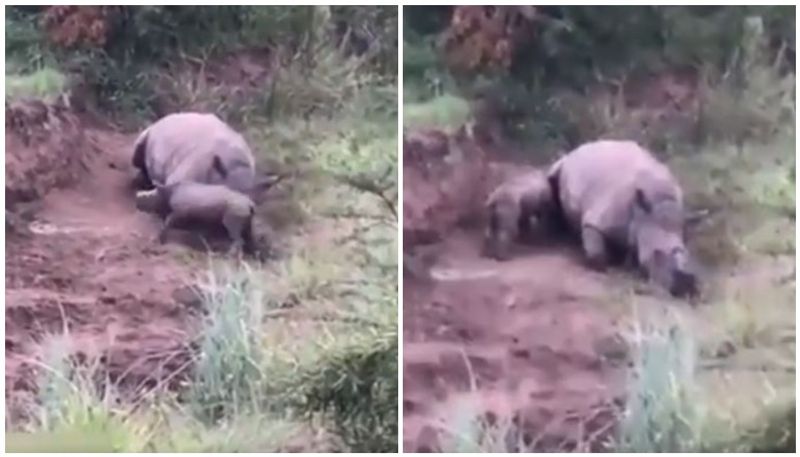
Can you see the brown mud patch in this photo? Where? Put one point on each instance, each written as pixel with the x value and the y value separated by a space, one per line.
pixel 87 263
pixel 527 340
pixel 36 136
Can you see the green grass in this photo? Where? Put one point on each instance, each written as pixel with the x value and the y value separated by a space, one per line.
pixel 720 377
pixel 296 354
pixel 228 379
pixel 252 389
pixel 472 433
pixel 684 397
pixel 326 346
pixel 741 383
pixel 45 83
pixel 76 413
pixel 71 413
pixel 446 112
pixel 662 413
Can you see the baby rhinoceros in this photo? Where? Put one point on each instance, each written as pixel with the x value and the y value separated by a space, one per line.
pixel 186 202
pixel 510 208
pixel 618 195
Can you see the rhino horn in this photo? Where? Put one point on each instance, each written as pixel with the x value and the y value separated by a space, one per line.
pixel 265 182
pixel 694 218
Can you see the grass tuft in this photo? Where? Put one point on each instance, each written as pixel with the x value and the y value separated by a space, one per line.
pixel 45 83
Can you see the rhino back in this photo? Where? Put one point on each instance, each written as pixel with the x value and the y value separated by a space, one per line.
pixel 597 182
pixel 181 147
pixel 530 191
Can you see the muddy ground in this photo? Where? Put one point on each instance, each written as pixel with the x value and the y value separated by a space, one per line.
pixel 525 340
pixel 81 259
pixel 534 344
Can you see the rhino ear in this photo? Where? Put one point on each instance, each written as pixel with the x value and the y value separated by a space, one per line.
pixel 219 167
pixel 641 201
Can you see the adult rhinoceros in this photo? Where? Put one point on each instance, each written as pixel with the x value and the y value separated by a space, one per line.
pixel 616 194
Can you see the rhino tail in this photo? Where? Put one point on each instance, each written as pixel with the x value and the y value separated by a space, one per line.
pixel 553 175
pixel 140 150
pixel 555 169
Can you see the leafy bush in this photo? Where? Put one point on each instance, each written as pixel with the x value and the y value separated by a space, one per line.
pixel 445 112
pixel 118 51
pixel 45 83
pixel 569 73
pixel 356 386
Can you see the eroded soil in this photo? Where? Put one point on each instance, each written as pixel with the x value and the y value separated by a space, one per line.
pixel 532 347
pixel 87 263
pixel 527 340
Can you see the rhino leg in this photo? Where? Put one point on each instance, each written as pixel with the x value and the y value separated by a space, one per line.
pixel 594 247
pixel 631 262
pixel 502 231
pixel 234 226
pixel 169 222
pixel 240 230
pixel 498 246
pixel 249 242
pixel 524 225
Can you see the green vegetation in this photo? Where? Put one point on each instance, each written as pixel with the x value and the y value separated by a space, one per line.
pixel 712 91
pixel 299 353
pixel 44 83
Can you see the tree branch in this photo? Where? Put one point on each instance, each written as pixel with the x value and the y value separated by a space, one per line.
pixel 365 184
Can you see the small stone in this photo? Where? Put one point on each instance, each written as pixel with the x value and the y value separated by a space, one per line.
pixel 611 347
pixel 188 296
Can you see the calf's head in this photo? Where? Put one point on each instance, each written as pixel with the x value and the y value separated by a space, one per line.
pixel 657 234
pixel 501 230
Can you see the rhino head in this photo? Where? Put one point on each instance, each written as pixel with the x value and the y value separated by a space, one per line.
pixel 656 232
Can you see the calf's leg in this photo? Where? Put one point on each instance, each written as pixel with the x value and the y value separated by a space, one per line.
pixel 594 247
pixel 169 222
pixel 234 226
pixel 502 230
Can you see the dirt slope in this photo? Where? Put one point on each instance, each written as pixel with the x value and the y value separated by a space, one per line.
pixel 526 340
pixel 530 333
pixel 87 262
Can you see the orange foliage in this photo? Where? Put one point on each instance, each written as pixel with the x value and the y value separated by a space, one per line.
pixel 70 26
pixel 486 37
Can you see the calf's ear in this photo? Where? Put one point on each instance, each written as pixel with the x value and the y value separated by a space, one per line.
pixel 219 167
pixel 641 201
